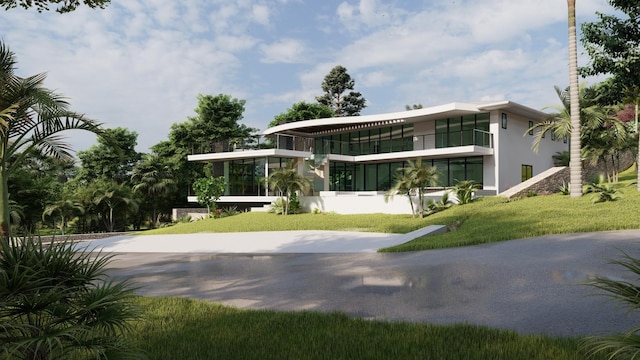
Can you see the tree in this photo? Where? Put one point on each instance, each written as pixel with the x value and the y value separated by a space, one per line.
pixel 613 44
pixel 286 181
pixel 208 191
pixel 66 209
pixel 43 5
pixel 575 164
pixel 413 107
pixel 112 159
pixel 33 119
pixel 112 197
pixel 153 177
pixel 334 85
pixel 412 181
pixel 216 119
pixel 302 111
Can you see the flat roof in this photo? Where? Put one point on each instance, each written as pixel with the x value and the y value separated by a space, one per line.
pixel 319 127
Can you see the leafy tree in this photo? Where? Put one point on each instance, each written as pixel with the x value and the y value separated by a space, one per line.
pixel 302 111
pixel 33 118
pixel 601 133
pixel 43 5
pixel 286 181
pixel 112 159
pixel 216 119
pixel 412 181
pixel 57 303
pixel 153 177
pixel 110 198
pixel 335 84
pixel 613 44
pixel 413 107
pixel 208 191
pixel 66 208
pixel 575 164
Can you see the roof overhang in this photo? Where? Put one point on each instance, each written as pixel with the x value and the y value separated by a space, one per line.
pixel 247 154
pixel 320 127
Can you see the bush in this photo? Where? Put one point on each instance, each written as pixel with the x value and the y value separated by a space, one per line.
pixel 57 303
pixel 465 191
pixel 602 191
pixel 626 345
pixel 279 205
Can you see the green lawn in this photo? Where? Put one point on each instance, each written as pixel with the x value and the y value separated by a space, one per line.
pixel 486 220
pixel 177 328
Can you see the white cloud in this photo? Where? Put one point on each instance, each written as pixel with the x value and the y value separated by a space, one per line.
pixel 260 14
pixel 283 51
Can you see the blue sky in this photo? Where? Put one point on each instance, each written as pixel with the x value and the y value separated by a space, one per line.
pixel 140 64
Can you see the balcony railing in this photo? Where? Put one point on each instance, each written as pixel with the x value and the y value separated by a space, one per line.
pixel 298 143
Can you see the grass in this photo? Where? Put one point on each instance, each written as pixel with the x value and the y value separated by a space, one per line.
pixel 262 221
pixel 178 328
pixel 486 220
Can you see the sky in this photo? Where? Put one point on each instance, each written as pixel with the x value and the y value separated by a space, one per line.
pixel 140 64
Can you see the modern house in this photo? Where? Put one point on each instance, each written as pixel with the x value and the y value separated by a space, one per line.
pixel 352 161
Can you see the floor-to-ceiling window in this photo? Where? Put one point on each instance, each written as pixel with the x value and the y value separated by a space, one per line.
pixel 463 130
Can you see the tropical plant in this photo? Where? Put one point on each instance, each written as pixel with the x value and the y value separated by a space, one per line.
pixel 412 180
pixel 208 191
pixel 444 203
pixel 65 208
pixel 57 303
pixel 602 191
pixel 625 345
pixel 561 158
pixel 33 119
pixel 112 197
pixel 465 191
pixel 575 164
pixel 564 188
pixel 287 182
pixel 153 177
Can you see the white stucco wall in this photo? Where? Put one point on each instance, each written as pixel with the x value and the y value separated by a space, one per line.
pixel 366 202
pixel 513 148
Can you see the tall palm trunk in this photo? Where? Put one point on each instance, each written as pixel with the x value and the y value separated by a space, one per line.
pixel 575 163
pixel 4 208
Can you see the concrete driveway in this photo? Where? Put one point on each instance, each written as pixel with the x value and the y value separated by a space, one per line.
pixel 532 285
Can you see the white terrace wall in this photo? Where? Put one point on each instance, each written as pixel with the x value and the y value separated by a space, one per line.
pixel 365 202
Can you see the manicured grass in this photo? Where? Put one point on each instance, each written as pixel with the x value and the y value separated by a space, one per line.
pixel 261 221
pixel 177 328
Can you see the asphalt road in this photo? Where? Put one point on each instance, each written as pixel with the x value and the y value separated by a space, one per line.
pixel 534 285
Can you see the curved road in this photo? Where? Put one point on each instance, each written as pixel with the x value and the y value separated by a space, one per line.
pixel 533 285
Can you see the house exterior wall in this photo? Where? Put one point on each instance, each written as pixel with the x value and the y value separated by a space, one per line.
pixel 513 148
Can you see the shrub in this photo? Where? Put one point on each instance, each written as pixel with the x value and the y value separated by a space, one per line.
pixel 602 191
pixel 278 207
pixel 626 345
pixel 565 188
pixel 57 303
pixel 465 191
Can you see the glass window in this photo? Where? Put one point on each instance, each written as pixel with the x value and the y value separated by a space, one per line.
pixel 441 133
pixel 504 120
pixel 531 128
pixel 468 127
pixel 527 172
pixel 455 132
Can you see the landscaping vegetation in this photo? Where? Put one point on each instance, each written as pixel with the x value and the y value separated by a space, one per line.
pixel 177 328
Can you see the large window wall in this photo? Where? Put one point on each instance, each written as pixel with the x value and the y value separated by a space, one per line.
pixel 246 177
pixel 381 176
pixel 364 142
pixel 461 130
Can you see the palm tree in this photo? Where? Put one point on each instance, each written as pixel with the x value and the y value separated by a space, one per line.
pixel 31 117
pixel 110 198
pixel 575 164
pixel 154 178
pixel 66 210
pixel 413 179
pixel 286 181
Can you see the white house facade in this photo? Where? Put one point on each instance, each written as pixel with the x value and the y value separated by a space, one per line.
pixel 352 161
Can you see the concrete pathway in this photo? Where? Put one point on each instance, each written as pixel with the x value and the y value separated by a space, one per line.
pixel 311 241
pixel 534 285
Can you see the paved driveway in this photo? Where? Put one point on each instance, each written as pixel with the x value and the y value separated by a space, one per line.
pixel 533 285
